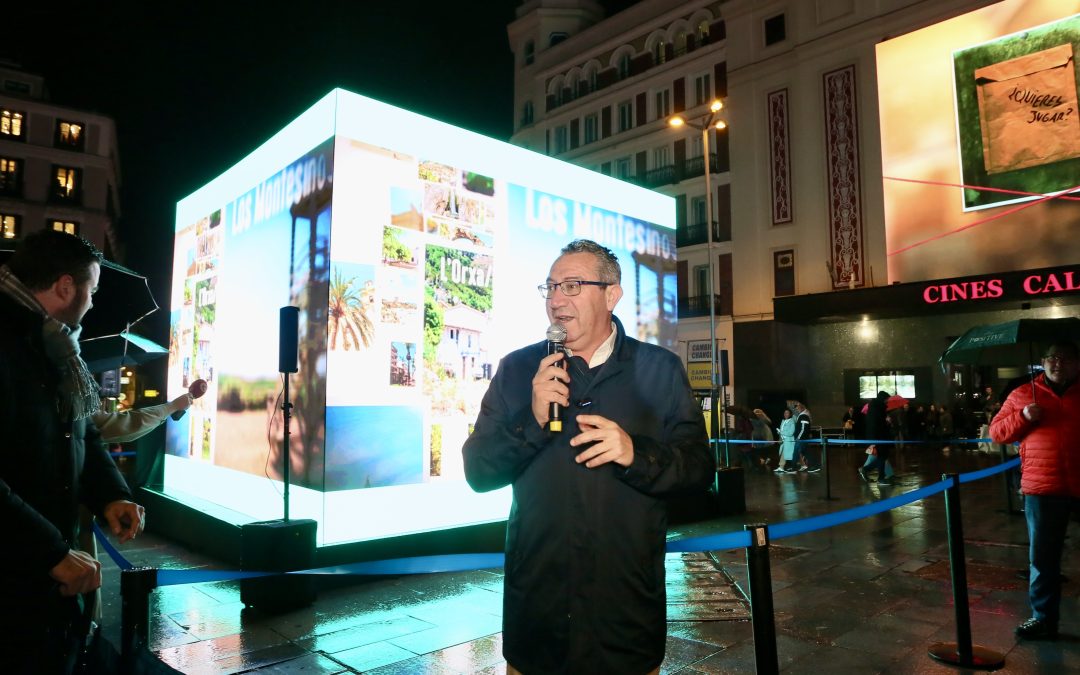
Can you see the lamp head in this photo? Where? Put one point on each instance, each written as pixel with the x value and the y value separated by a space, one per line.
pixel 676 121
pixel 716 105
pixel 720 124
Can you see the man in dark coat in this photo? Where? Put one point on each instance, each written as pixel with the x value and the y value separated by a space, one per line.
pixel 877 429
pixel 584 586
pixel 51 458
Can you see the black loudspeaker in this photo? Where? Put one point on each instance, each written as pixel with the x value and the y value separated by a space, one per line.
pixel 278 546
pixel 288 328
pixel 725 378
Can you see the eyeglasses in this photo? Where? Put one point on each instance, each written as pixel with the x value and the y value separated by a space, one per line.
pixel 1059 358
pixel 571 287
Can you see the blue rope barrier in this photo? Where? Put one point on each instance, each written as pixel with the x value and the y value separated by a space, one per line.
pixel 120 561
pixel 983 473
pixel 475 561
pixel 813 523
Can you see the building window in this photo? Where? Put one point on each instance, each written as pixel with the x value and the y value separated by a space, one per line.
pixel 697 146
pixel 697 211
pixel 71 135
pixel 530 52
pixel 659 52
pixel 702 89
pixel 784 272
pixel 661 156
pixel 703 31
pixel 591 122
pixel 11 124
pixel 557 37
pixel 622 168
pixel 701 280
pixel 10 176
pixel 592 79
pixel 663 104
pixel 775 30
pixel 69 226
pixel 624 66
pixel 527 114
pixel 10 226
pixel 560 140
pixel 626 115
pixel 67 185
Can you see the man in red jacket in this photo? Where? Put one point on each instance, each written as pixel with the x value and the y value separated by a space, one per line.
pixel 1045 418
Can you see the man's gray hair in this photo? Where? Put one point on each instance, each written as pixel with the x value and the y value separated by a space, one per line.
pixel 607 265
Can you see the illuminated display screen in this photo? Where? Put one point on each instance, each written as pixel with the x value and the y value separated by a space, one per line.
pixel 980 130
pixel 413 250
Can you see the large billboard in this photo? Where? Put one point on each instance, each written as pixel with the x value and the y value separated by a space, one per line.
pixel 413 250
pixel 980 139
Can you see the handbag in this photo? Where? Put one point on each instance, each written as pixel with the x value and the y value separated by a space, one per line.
pixel 98 656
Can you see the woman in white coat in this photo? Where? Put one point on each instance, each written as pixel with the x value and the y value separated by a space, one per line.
pixel 787 443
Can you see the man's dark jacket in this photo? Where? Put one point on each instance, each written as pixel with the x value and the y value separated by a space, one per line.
pixel 584 586
pixel 47 467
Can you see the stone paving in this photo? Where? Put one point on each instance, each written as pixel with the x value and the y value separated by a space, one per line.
pixel 866 597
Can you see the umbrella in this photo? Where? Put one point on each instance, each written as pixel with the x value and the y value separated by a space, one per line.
pixel 124 349
pixel 122 300
pixel 1010 342
pixel 892 403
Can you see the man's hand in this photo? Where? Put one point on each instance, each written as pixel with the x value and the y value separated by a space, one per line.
pixel 126 519
pixel 77 573
pixel 1032 412
pixel 549 386
pixel 611 443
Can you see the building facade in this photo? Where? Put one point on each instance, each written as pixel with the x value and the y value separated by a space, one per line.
pixel 801 204
pixel 59 166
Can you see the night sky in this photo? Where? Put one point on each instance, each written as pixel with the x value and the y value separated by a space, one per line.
pixel 197 86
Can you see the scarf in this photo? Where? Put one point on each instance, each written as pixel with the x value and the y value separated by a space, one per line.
pixel 78 395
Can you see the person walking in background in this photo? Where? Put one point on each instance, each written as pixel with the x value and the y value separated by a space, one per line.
pixel 786 431
pixel 762 432
pixel 945 425
pixel 51 457
pixel 1045 418
pixel 803 433
pixel 877 454
pixel 584 587
pixel 848 422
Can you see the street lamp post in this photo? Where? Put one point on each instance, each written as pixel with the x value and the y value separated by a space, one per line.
pixel 705 124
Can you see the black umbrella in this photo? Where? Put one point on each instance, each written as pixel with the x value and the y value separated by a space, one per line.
pixel 110 352
pixel 122 300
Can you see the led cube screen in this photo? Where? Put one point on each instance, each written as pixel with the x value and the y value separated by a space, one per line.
pixel 413 250
pixel 980 141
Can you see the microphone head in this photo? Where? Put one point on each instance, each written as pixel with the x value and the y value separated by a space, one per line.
pixel 556 332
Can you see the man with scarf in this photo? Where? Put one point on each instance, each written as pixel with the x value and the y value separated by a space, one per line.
pixel 584 583
pixel 51 458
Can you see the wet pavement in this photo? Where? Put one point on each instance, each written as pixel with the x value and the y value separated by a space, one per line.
pixel 865 597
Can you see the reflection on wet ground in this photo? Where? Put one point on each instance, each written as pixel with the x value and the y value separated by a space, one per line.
pixel 865 597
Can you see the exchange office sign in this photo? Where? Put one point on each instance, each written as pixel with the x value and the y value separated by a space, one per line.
pixel 699 364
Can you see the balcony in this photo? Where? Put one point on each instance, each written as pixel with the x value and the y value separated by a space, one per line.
pixel 695 166
pixel 698 305
pixel 664 175
pixel 696 234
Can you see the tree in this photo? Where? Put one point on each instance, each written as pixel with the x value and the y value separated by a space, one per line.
pixel 348 317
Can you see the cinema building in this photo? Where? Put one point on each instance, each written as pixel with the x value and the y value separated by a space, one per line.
pixel 892 173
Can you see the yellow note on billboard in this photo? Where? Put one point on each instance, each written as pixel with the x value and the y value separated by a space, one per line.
pixel 1028 110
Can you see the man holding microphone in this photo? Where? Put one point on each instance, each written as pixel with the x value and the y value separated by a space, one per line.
pixel 584 584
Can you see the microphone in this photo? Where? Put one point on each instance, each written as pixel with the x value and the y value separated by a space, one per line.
pixel 556 336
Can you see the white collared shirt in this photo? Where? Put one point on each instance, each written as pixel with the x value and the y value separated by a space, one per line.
pixel 603 352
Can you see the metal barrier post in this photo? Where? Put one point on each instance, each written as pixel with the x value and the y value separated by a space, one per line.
pixel 761 600
pixel 135 587
pixel 962 652
pixel 825 467
pixel 1007 480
